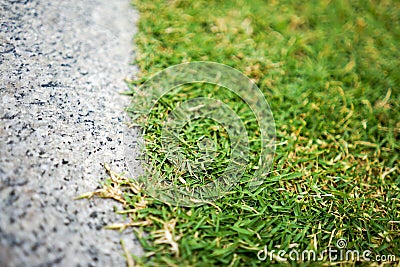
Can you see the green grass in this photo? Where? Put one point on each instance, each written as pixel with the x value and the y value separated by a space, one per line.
pixel 330 72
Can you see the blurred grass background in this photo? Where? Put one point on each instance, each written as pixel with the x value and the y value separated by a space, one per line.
pixel 330 72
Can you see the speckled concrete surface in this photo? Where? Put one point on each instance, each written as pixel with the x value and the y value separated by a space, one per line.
pixel 62 64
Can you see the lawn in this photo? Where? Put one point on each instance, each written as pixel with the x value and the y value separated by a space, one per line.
pixel 330 72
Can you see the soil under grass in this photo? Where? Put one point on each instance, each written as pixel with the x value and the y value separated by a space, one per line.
pixel 329 70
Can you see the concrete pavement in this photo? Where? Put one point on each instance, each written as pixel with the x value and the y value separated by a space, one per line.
pixel 62 64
